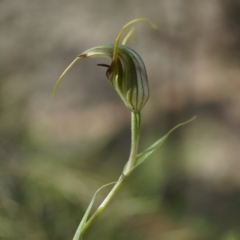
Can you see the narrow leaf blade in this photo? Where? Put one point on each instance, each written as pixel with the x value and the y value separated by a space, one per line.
pixel 141 157
pixel 86 214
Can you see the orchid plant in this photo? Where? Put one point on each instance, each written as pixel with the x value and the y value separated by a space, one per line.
pixel 127 74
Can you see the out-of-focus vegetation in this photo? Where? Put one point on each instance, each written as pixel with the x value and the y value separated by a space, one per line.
pixel 55 152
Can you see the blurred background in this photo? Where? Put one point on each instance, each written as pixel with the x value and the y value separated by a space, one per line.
pixel 56 152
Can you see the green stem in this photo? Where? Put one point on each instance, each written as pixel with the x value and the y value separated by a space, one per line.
pixel 135 127
pixel 135 131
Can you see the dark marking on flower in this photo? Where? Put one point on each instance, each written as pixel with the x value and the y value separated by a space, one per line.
pixel 83 55
pixel 109 73
pixel 103 65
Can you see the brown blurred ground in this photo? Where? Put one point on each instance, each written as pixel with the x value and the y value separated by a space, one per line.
pixel 55 152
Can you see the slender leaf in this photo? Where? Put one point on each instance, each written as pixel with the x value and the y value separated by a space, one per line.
pixel 85 217
pixel 141 157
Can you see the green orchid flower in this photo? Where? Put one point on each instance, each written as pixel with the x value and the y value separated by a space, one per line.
pixel 126 73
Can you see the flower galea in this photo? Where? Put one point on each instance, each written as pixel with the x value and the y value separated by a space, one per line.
pixel 126 73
